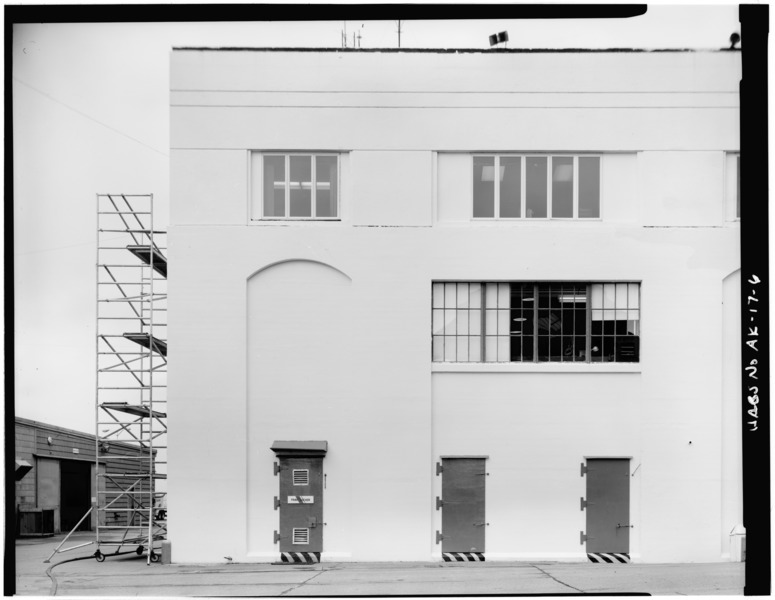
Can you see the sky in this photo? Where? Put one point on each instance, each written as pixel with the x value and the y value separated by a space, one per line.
pixel 91 115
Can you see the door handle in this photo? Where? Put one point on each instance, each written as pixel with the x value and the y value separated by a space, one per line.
pixel 480 524
pixel 618 526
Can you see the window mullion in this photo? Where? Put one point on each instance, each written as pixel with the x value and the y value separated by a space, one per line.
pixel 287 186
pixel 444 322
pixel 313 185
pixel 496 184
pixel 588 336
pixel 550 165
pixel 522 187
pixel 482 321
pixel 496 188
pixel 575 187
pixel 535 322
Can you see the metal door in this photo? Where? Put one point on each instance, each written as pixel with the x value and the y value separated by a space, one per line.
pixel 608 505
pixel 462 505
pixel 48 481
pixel 301 504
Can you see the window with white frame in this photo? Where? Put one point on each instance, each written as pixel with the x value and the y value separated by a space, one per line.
pixel 737 195
pixel 732 192
pixel 536 186
pixel 536 322
pixel 295 185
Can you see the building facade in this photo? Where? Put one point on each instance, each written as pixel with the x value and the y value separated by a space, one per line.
pixel 454 305
pixel 56 478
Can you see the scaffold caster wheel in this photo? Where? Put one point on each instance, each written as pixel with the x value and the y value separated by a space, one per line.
pixel 140 550
pixel 99 556
pixel 154 557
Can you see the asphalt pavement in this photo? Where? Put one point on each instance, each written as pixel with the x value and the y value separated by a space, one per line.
pixel 130 575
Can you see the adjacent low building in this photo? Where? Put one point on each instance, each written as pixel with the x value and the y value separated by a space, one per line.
pixel 56 478
pixel 454 305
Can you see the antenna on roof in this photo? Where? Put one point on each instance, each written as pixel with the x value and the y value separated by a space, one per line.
pixel 497 38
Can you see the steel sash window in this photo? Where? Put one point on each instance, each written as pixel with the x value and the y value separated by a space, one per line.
pixel 608 344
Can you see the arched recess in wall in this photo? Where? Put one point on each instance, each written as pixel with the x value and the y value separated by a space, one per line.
pixel 732 453
pixel 297 320
pixel 299 261
pixel 299 315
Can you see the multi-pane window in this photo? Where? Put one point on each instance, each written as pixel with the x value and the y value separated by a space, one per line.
pixel 732 192
pixel 536 322
pixel 298 186
pixel 737 204
pixel 536 187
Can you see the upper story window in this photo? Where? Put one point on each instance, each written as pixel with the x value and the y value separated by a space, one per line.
pixel 536 186
pixel 732 192
pixel 536 322
pixel 295 186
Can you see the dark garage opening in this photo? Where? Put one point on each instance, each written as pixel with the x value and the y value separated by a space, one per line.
pixel 76 494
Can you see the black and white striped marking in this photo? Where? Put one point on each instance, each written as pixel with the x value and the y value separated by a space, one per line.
pixel 300 557
pixel 463 556
pixel 608 557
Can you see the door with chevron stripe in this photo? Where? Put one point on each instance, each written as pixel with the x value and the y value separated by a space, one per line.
pixel 608 505
pixel 462 495
pixel 301 504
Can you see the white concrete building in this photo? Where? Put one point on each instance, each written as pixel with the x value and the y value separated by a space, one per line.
pixel 442 364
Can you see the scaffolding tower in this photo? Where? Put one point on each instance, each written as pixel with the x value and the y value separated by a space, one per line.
pixel 131 398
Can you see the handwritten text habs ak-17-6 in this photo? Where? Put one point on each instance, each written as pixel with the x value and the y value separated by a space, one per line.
pixel 752 369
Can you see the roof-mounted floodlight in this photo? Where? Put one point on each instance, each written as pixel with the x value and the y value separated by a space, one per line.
pixel 497 38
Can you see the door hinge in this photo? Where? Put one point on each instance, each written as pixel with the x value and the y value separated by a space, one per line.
pixel 583 469
pixel 276 468
pixel 276 503
pixel 439 537
pixel 439 503
pixel 584 503
pixel 582 538
pixel 439 469
pixel 276 536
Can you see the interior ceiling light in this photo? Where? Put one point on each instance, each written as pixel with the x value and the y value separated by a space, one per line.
pixel 563 173
pixel 488 173
pixel 572 299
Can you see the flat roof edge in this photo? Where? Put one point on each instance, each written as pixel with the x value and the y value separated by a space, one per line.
pixel 449 50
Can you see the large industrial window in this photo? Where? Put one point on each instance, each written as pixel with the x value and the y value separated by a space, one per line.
pixel 536 322
pixel 295 186
pixel 536 187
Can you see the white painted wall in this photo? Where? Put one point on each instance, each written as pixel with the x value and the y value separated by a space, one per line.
pixel 322 330
pixel 392 188
pixel 672 193
pixel 732 422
